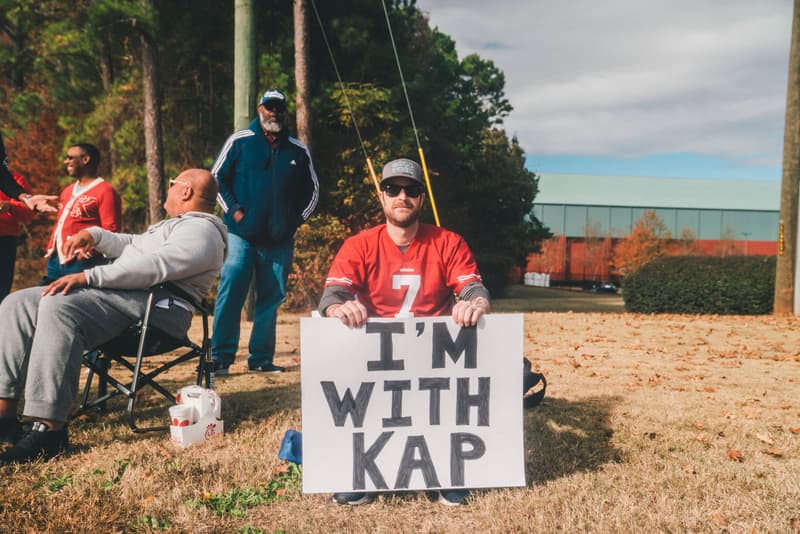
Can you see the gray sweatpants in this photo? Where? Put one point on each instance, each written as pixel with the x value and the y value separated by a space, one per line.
pixel 42 340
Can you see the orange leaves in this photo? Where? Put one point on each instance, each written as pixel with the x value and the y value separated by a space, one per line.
pixel 720 519
pixel 795 358
pixel 735 456
pixel 280 469
pixel 648 240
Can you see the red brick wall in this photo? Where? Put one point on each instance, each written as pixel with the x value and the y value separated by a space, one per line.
pixel 571 259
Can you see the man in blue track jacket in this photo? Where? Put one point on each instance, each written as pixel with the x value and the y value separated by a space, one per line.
pixel 267 188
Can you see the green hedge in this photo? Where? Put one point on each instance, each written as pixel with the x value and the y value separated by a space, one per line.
pixel 742 285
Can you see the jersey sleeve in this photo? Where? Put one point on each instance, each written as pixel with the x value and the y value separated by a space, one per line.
pixel 462 268
pixel 347 269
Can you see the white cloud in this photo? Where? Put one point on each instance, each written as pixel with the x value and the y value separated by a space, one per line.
pixel 627 78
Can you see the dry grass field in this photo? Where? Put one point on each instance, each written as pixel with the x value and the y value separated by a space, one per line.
pixel 651 424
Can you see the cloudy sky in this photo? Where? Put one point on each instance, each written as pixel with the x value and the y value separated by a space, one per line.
pixel 678 88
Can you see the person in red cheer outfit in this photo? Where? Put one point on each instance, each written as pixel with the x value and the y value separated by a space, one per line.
pixel 89 201
pixel 13 214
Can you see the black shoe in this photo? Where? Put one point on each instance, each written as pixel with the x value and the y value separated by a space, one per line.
pixel 353 499
pixel 39 443
pixel 219 368
pixel 267 368
pixel 10 430
pixel 453 497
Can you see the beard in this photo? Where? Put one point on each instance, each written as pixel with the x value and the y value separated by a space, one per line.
pixel 270 125
pixel 405 221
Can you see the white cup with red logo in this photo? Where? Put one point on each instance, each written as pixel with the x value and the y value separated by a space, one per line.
pixel 182 415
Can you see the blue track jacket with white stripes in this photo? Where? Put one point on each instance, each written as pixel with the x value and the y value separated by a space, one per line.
pixel 277 189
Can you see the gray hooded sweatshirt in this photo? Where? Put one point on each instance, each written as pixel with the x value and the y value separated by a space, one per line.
pixel 187 250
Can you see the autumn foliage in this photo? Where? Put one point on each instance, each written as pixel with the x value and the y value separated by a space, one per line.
pixel 600 256
pixel 649 239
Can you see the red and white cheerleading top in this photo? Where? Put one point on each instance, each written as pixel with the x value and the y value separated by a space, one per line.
pixel 98 204
pixel 419 282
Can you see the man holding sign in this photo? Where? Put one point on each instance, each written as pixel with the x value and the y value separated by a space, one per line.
pixel 404 268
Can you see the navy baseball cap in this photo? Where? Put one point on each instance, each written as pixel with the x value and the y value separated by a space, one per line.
pixel 273 95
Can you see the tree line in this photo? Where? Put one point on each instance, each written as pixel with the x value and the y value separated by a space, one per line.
pixel 77 71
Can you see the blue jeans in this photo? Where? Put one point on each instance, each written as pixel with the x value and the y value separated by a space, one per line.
pixel 56 270
pixel 270 268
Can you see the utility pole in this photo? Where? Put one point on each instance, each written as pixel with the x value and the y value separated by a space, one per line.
pixel 301 72
pixel 244 84
pixel 244 65
pixel 785 271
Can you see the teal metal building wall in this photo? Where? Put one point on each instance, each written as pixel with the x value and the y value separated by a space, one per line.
pixel 738 210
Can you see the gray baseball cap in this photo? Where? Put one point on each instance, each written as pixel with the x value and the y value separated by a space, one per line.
pixel 402 168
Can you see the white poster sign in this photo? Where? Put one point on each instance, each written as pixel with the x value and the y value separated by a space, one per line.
pixel 412 404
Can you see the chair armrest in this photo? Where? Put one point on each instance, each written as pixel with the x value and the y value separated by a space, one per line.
pixel 178 292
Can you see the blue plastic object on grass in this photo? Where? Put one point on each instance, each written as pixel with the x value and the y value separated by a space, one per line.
pixel 292 447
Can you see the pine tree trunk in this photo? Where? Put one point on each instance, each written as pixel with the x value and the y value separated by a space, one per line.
pixel 154 151
pixel 301 72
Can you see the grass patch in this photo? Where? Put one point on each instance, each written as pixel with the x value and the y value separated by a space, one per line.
pixel 526 299
pixel 668 423
pixel 237 501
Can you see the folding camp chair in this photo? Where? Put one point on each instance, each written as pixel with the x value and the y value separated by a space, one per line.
pixel 130 348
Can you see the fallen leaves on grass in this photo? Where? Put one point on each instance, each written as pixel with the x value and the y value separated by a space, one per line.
pixel 735 456
pixel 766 439
pixel 786 358
pixel 719 519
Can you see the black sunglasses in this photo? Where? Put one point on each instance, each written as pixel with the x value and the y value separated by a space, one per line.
pixel 412 191
pixel 274 106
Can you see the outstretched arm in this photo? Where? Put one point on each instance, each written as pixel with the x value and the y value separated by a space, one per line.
pixel 39 202
pixel 12 189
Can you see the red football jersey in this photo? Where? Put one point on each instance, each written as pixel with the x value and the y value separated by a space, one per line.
pixel 419 282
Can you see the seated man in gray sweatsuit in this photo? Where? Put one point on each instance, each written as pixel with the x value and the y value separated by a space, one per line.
pixel 45 332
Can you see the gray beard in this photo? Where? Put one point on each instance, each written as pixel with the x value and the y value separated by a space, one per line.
pixel 270 126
